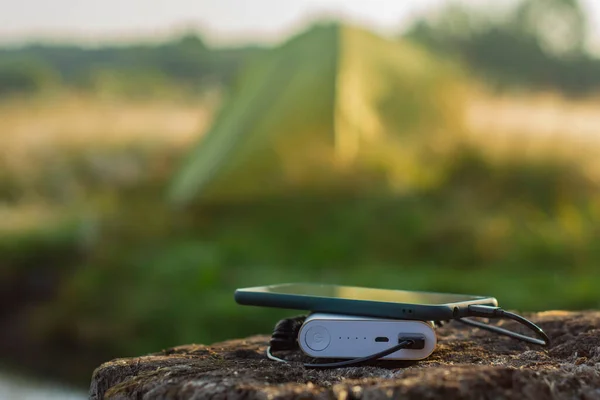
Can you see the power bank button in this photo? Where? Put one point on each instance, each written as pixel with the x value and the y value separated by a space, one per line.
pixel 317 338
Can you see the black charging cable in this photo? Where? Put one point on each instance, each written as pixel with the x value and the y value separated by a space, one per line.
pixel 285 335
pixel 476 310
pixel 364 360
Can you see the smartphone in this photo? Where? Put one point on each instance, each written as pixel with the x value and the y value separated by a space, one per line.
pixel 350 300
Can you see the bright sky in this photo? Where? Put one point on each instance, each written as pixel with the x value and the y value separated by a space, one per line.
pixel 224 21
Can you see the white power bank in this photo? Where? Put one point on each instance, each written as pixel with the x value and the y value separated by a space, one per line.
pixel 345 336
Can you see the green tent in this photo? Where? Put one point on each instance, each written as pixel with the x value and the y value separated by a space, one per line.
pixel 332 109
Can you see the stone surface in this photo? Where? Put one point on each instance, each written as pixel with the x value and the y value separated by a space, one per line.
pixel 468 364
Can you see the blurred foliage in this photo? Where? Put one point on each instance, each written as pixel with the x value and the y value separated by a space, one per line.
pixel 536 44
pixel 25 76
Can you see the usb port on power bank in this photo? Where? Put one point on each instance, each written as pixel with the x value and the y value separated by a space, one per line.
pixel 418 341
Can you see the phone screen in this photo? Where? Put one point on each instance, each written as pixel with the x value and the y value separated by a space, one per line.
pixel 366 294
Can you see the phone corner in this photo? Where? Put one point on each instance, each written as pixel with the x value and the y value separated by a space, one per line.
pixel 238 296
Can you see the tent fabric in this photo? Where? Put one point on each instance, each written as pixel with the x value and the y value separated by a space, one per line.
pixel 314 112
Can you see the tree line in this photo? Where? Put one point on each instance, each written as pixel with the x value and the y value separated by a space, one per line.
pixel 185 61
pixel 536 44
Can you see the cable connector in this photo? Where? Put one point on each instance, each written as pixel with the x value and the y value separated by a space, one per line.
pixel 416 342
pixel 476 310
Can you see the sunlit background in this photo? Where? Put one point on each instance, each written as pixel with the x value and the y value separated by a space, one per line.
pixel 154 156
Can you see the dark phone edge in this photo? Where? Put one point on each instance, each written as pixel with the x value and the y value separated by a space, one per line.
pixel 360 307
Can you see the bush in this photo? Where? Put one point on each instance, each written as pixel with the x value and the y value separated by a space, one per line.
pixel 25 77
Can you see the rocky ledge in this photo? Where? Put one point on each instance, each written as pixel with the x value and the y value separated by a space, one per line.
pixel 467 364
